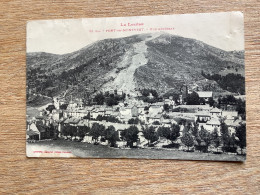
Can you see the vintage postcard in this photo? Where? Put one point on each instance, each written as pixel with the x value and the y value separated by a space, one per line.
pixel 150 87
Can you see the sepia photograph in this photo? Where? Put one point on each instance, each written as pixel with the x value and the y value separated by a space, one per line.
pixel 148 87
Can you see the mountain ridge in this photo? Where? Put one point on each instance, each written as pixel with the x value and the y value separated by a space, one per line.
pixel 160 61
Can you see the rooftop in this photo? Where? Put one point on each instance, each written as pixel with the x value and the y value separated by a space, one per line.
pixel 202 113
pixel 194 106
pixel 156 116
pixel 205 94
pixel 213 121
pixel 40 128
pixel 83 122
pixel 72 120
pixel 31 133
pixel 167 121
pixel 233 123
pixel 215 110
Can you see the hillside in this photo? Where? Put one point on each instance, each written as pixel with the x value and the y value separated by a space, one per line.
pixel 174 61
pixel 160 61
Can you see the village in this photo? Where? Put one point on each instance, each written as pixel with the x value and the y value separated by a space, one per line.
pixel 132 122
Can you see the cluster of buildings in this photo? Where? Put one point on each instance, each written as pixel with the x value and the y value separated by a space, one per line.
pixel 50 123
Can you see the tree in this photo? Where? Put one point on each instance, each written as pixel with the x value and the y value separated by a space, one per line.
pixel 241 135
pixel 231 99
pixel 50 108
pixel 111 135
pixel 232 140
pixel 182 121
pixel 112 119
pixel 185 129
pixel 241 108
pixel 154 93
pixel 166 107
pixel 231 82
pixel 170 133
pixel 225 136
pixel 133 121
pixel 198 140
pixel 123 96
pixel 111 101
pixel 65 130
pixel 145 92
pixel 211 101
pixel 205 136
pixel 156 123
pixel 52 131
pixel 215 138
pixel 107 94
pixel 87 116
pixel 166 116
pixel 202 101
pixel 195 130
pixel 175 132
pixel 100 117
pixel 151 101
pixel 130 135
pixel 73 131
pixel 150 134
pixel 187 140
pixel 96 131
pixel 193 99
pixel 69 130
pixel 164 131
pixel 99 98
pixel 63 106
pixel 82 130
pixel 146 108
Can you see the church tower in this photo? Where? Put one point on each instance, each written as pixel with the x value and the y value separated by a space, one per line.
pixel 56 103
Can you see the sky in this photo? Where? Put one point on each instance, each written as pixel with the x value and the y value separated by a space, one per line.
pixel 222 30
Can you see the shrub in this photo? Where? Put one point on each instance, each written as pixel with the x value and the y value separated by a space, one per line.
pixel 201 148
pixel 172 145
pixel 229 149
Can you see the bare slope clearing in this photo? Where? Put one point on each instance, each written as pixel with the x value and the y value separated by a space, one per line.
pixel 125 79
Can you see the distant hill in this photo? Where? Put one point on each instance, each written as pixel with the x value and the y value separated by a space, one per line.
pixel 159 61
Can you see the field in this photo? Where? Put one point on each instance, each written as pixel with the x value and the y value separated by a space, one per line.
pixel 86 150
